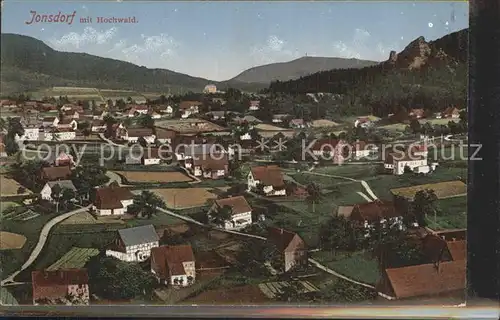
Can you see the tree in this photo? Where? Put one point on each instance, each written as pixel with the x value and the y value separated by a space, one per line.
pixel 334 235
pixel 147 203
pixel 66 196
pixel 221 215
pixel 56 194
pixel 146 121
pixel 314 194
pixel 415 126
pixel 423 205
pixel 346 292
pixel 89 176
pixel 113 279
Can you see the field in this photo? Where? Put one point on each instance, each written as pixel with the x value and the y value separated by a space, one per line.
pixel 268 127
pixel 10 241
pixel 75 258
pixel 20 214
pixel 452 214
pixel 191 125
pixel 382 184
pixel 358 265
pixel 349 171
pixel 239 295
pixel 323 123
pixel 164 177
pixel 73 92
pixel 438 121
pixel 395 126
pixel 185 197
pixel 87 218
pixel 442 190
pixel 273 289
pixel 9 187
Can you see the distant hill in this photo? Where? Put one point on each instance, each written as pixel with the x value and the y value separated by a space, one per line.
pixel 418 57
pixel 29 64
pixel 297 68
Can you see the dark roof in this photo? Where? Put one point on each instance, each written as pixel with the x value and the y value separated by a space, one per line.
pixel 139 132
pixel 53 284
pixel 375 211
pixel 188 104
pixel 56 173
pixel 165 133
pixel 280 237
pixel 238 204
pixel 206 162
pixel 138 235
pixel 172 257
pixel 64 184
pixel 110 197
pixel 268 175
pixel 427 279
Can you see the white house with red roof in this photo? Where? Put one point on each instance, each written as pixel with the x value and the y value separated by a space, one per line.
pixel 174 265
pixel 241 212
pixel 269 178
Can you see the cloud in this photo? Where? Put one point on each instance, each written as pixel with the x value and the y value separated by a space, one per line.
pixel 148 50
pixel 275 49
pixel 74 40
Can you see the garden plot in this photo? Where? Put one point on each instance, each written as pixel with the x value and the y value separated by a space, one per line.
pixel 75 258
pixel 274 289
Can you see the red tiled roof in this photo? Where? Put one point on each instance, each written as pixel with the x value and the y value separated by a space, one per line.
pixel 374 211
pixel 188 104
pixel 139 132
pixel 239 204
pixel 280 237
pixel 268 175
pixel 111 197
pixel 427 279
pixel 55 173
pixel 206 162
pixel 54 284
pixel 172 258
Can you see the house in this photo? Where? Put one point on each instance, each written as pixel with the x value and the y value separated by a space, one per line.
pixel 153 156
pixel 216 115
pixel 438 115
pixel 368 214
pixel 445 245
pixel 154 115
pixel 330 149
pixel 246 119
pixel 63 159
pixel 67 124
pixel 55 173
pixel 98 125
pixel 254 105
pixel 424 280
pixel 50 121
pixel 451 112
pixel 269 178
pixel 210 166
pixel 59 134
pixel 244 147
pixel 112 200
pixel 361 149
pixel 63 286
pixel 193 148
pixel 363 122
pixel 290 246
pixel 165 109
pixel 165 135
pixel 99 114
pixel 188 108
pixel 134 244
pixel 241 212
pixel 210 88
pixel 398 161
pixel 132 135
pixel 297 123
pixel 46 193
pixel 71 114
pixel 417 113
pixel 279 118
pixel 137 110
pixel 246 136
pixel 174 265
pixel 31 132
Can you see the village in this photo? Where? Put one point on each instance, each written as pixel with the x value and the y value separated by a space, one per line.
pixel 219 198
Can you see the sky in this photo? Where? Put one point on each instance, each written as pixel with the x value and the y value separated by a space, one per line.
pixel 218 40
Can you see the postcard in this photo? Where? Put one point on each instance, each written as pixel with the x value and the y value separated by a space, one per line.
pixel 233 153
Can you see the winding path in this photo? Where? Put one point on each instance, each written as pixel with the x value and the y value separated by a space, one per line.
pixel 41 243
